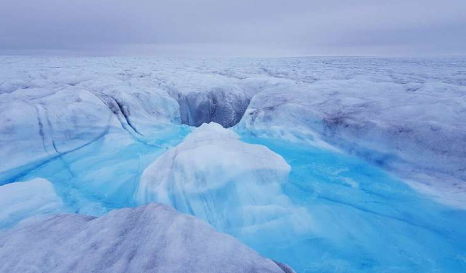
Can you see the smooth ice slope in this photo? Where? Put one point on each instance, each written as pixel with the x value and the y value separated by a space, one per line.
pixel 20 200
pixel 152 238
pixel 231 184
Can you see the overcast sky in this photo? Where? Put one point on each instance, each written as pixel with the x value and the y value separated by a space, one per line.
pixel 235 27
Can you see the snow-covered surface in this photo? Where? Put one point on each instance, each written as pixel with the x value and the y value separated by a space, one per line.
pixel 20 200
pixel 91 126
pixel 152 238
pixel 231 184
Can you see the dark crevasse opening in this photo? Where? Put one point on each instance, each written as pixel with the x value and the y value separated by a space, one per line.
pixel 218 105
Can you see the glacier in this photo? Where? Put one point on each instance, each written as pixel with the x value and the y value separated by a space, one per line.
pixel 327 164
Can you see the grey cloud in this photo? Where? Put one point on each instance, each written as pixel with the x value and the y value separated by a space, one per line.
pixel 295 27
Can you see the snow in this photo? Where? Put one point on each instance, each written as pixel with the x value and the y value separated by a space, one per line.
pixel 21 200
pixel 218 178
pixel 152 238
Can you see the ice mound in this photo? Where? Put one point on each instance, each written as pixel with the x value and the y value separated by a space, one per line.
pixel 231 184
pixel 20 200
pixel 152 238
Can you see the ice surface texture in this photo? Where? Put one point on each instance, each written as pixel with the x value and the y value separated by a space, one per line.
pixel 416 132
pixel 233 185
pixel 222 105
pixel 152 238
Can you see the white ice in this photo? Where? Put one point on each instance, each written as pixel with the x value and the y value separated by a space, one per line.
pixel 233 185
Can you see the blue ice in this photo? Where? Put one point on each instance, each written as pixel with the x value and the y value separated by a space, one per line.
pixel 363 219
pixel 368 220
